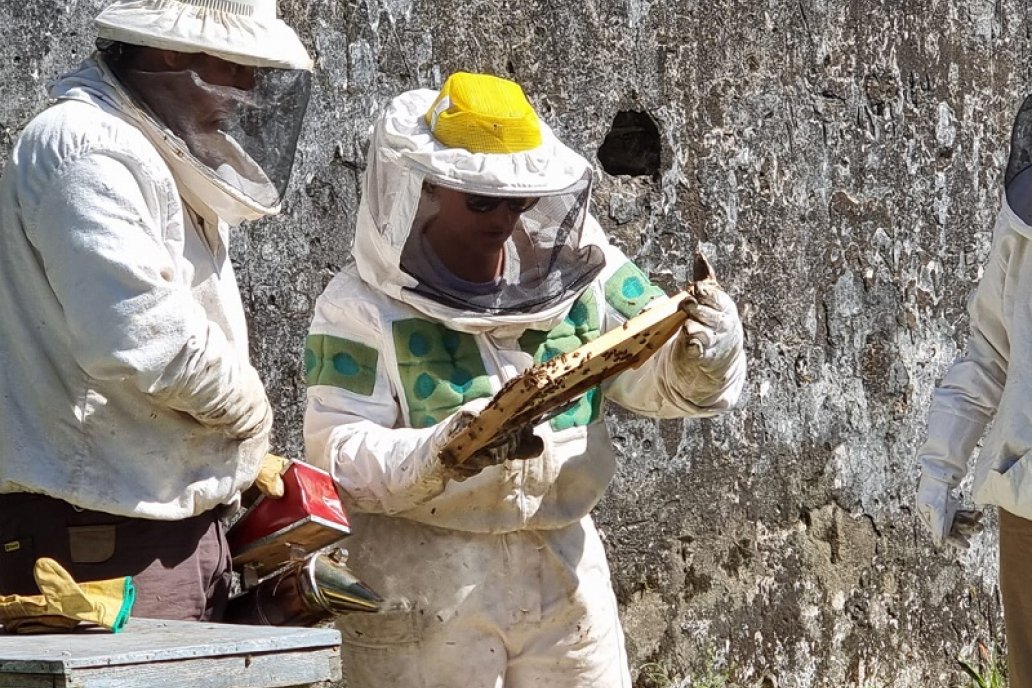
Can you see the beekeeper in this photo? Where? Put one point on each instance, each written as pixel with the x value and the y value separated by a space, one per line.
pixel 476 257
pixel 129 412
pixel 991 380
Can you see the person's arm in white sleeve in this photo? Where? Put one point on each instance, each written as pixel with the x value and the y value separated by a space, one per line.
pixel 352 415
pixel 700 372
pixel 99 234
pixel 966 400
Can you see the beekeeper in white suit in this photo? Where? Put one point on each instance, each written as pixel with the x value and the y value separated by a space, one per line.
pixel 476 257
pixel 129 411
pixel 989 383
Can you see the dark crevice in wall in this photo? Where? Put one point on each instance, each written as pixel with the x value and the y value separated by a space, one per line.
pixel 631 146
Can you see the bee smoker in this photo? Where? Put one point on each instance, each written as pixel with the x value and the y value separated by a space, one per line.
pixel 291 569
pixel 304 593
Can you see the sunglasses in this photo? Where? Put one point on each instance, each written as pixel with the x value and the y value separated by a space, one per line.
pixel 485 204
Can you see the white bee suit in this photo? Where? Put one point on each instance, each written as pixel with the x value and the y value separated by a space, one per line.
pixel 500 579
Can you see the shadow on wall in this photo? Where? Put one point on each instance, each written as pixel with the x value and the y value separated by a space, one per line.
pixel 631 146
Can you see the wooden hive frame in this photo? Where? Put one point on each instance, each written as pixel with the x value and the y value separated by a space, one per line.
pixel 544 389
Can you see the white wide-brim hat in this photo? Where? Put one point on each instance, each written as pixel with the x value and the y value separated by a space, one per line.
pixel 246 32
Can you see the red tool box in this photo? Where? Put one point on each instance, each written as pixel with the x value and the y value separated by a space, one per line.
pixel 274 532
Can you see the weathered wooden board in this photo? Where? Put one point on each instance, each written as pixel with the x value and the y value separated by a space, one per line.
pixel 172 653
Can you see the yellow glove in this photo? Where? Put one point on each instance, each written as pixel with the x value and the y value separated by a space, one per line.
pixel 64 603
pixel 269 481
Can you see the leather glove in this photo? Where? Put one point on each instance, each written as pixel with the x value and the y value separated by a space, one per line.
pixel 270 481
pixel 63 603
pixel 518 445
pixel 942 515
pixel 709 346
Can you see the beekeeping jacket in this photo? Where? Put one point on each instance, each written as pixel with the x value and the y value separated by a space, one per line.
pixel 124 352
pixel 992 377
pixel 989 383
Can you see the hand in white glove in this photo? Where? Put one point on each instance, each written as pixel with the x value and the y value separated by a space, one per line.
pixel 713 333
pixel 249 413
pixel 210 381
pixel 707 353
pixel 942 515
pixel 515 446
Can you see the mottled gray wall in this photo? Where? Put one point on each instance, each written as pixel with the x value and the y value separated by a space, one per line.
pixel 839 161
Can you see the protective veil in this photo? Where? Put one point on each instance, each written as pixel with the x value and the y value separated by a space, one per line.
pixel 499 577
pixel 543 259
pixel 1018 178
pixel 235 144
pixel 551 257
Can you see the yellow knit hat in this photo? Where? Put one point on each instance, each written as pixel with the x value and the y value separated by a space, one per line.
pixel 483 114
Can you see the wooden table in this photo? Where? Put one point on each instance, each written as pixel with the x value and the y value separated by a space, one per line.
pixel 163 654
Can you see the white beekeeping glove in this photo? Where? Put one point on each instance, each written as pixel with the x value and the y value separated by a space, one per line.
pixel 943 459
pixel 708 356
pixel 940 511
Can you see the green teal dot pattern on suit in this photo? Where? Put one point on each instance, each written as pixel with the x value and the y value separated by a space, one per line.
pixel 581 325
pixel 340 363
pixel 440 370
pixel 587 410
pixel 628 291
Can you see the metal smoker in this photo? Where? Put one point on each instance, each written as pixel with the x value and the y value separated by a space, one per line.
pixel 285 550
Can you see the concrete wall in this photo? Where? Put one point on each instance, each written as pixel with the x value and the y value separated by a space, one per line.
pixel 839 161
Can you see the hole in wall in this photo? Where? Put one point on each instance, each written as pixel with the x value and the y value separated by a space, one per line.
pixel 631 145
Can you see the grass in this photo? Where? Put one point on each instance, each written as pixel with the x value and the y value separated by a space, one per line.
pixel 989 669
pixel 655 675
pixel 712 679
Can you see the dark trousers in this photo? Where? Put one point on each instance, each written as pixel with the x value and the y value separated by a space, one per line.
pixel 1015 565
pixel 181 569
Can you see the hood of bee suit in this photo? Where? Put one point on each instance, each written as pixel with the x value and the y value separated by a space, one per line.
pixel 550 258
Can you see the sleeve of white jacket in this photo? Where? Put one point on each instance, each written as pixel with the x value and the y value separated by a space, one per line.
pixel 354 435
pixel 661 389
pixel 99 234
pixel 966 400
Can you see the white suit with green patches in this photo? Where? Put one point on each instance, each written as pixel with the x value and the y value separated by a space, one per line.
pixel 500 579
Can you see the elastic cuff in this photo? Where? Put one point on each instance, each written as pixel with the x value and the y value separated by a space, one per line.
pixel 128 598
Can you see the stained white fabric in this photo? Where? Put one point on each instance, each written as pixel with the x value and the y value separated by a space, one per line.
pixel 126 386
pixel 525 609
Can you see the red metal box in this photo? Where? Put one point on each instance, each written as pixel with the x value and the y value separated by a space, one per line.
pixel 308 517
